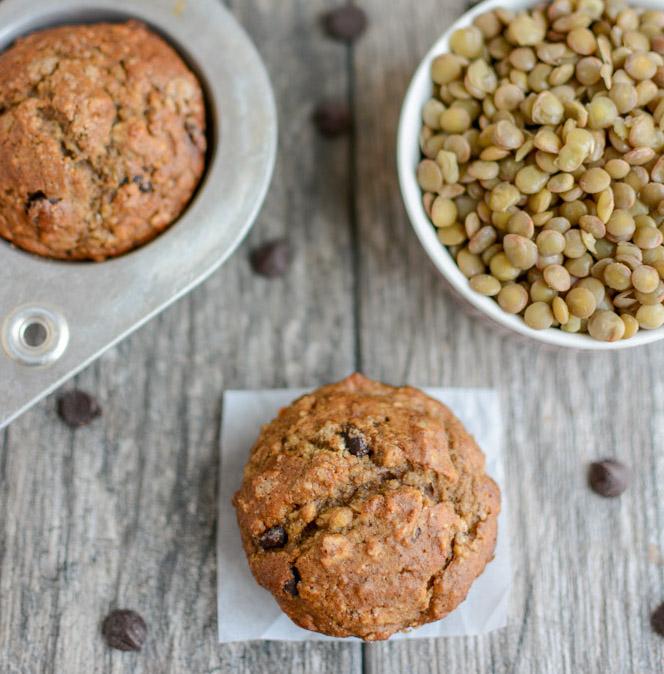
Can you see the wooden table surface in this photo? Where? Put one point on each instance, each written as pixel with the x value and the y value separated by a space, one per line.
pixel 122 513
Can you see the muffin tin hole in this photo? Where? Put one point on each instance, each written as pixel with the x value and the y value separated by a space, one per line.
pixel 35 336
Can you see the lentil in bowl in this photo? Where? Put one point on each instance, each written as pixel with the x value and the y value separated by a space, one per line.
pixel 541 182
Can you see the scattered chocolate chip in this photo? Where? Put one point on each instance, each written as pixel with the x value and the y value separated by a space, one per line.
pixel 274 537
pixel 78 408
pixel 345 23
pixel 271 259
pixel 608 477
pixel 333 118
pixel 657 620
pixel 290 586
pixel 124 181
pixel 355 442
pixel 124 630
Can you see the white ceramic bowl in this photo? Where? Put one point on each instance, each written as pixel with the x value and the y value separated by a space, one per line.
pixel 408 156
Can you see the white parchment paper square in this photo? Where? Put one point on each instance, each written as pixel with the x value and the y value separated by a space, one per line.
pixel 246 611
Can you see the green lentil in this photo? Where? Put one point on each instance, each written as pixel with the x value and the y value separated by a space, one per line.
pixel 650 317
pixel 645 279
pixel 453 235
pixel 485 284
pixel 467 42
pixel 520 251
pixel 513 298
pixel 502 268
pixel 594 180
pixel 560 310
pixel 429 176
pixel 557 277
pixel 631 325
pixel 581 302
pixel 443 212
pixel 606 326
pixel 538 316
pixel 542 166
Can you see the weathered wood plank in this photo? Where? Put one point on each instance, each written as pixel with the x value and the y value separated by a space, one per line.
pixel 584 579
pixel 124 512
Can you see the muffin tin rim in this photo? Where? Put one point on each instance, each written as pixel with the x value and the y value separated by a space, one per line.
pixel 104 302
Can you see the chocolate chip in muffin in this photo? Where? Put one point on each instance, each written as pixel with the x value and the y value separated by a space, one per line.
pixel 34 197
pixel 608 478
pixel 657 620
pixel 291 585
pixel 144 186
pixel 272 258
pixel 332 118
pixel 355 442
pixel 124 630
pixel 273 538
pixel 78 408
pixel 345 23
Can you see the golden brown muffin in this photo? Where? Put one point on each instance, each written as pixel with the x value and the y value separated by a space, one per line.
pixel 102 139
pixel 365 509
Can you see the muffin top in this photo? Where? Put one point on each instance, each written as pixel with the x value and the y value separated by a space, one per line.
pixel 365 509
pixel 102 139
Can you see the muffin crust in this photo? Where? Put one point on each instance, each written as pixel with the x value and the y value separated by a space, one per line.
pixel 102 139
pixel 365 509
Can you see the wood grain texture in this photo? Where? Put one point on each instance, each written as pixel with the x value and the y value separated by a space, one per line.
pixel 585 578
pixel 123 513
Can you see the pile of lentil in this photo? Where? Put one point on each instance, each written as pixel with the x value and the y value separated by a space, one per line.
pixel 543 165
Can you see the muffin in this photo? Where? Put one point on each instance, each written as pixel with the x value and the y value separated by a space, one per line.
pixel 365 509
pixel 102 140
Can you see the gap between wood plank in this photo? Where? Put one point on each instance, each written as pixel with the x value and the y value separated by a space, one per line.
pixel 353 219
pixel 354 226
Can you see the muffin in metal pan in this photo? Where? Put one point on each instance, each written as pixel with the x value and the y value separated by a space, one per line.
pixel 102 139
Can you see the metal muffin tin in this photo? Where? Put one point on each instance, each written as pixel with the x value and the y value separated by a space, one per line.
pixel 56 317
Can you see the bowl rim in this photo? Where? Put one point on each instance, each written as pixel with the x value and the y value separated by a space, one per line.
pixel 408 154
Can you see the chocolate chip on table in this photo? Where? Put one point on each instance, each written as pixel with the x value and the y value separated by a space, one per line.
pixel 290 586
pixel 272 258
pixel 124 630
pixel 78 408
pixel 657 620
pixel 608 477
pixel 332 118
pixel 345 23
pixel 274 537
pixel 355 442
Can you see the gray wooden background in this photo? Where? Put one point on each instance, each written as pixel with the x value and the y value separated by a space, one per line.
pixel 122 513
